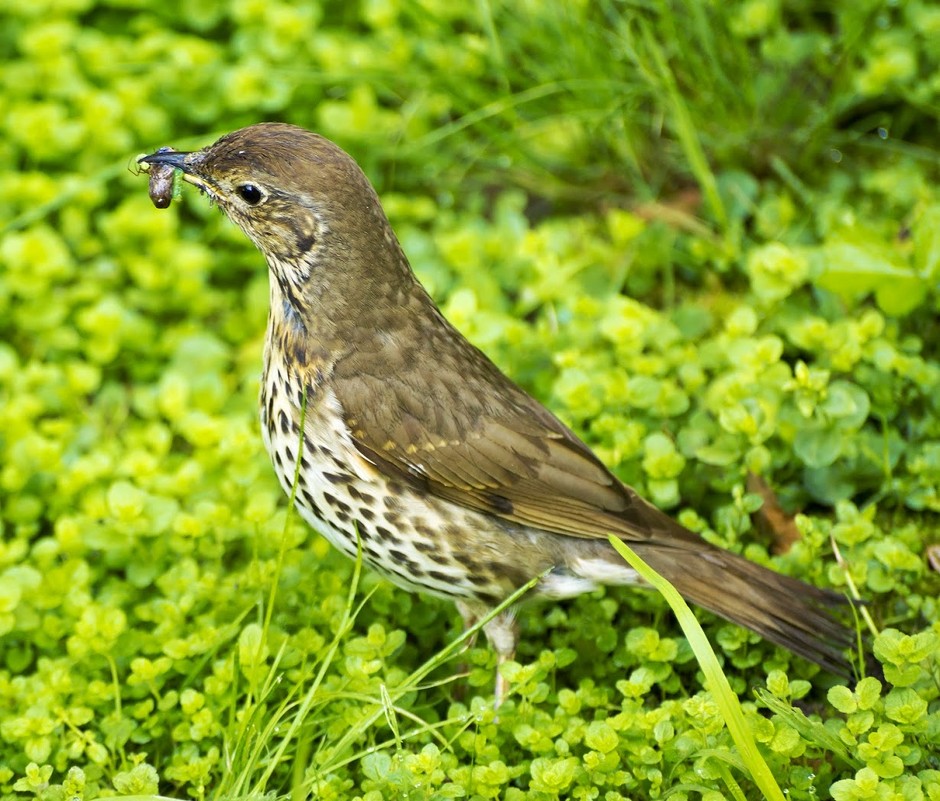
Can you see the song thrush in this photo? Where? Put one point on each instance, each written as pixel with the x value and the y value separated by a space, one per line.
pixel 458 483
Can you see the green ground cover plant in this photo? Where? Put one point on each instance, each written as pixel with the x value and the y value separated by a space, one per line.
pixel 706 235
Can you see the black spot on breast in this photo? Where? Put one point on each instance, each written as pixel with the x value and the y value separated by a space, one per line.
pixel 426 531
pixel 385 534
pixel 298 349
pixel 504 571
pixel 400 557
pixel 409 577
pixel 366 514
pixel 292 318
pixel 439 576
pixel 308 501
pixel 469 565
pixel 455 533
pixel 336 503
pixel 284 422
pixel 287 290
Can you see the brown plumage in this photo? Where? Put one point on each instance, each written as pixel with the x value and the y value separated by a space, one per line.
pixel 458 482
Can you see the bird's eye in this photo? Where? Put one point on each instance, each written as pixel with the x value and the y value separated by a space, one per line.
pixel 249 193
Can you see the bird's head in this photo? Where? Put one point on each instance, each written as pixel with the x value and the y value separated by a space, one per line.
pixel 304 202
pixel 336 266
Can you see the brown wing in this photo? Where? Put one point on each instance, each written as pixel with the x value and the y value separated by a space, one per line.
pixel 441 416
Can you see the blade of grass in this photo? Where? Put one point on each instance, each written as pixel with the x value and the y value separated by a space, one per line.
pixel 810 730
pixel 390 717
pixel 715 680
pixel 684 126
pixel 733 787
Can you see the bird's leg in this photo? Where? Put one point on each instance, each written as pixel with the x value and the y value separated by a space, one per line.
pixel 503 634
pixel 470 614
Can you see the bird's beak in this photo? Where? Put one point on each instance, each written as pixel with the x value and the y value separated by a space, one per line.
pixel 187 162
pixel 171 158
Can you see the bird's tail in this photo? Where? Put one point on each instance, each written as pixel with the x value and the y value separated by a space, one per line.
pixel 782 609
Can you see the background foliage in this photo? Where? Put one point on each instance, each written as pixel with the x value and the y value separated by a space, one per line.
pixel 708 236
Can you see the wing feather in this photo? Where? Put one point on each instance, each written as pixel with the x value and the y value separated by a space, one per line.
pixel 491 448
